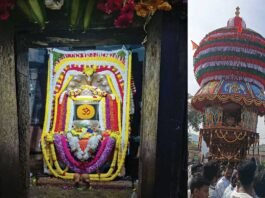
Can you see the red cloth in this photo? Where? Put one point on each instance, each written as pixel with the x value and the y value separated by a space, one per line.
pixel 238 23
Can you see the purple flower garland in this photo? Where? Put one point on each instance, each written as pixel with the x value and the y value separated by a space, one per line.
pixel 102 155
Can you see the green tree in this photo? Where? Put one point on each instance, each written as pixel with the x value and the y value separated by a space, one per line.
pixel 194 117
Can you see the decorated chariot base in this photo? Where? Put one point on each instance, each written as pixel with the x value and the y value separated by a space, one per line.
pixel 87 113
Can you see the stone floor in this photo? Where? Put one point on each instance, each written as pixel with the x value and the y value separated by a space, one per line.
pixel 65 192
pixel 52 187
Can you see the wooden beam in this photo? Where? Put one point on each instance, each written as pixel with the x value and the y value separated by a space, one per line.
pixel 150 99
pixel 99 36
pixel 22 79
pixel 9 140
pixel 171 162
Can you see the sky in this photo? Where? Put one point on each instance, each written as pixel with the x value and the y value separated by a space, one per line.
pixel 205 16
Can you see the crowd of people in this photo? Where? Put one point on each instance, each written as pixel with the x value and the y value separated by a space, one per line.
pixel 216 180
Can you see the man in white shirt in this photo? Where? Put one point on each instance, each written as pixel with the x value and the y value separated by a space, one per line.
pixel 232 186
pixel 224 181
pixel 246 172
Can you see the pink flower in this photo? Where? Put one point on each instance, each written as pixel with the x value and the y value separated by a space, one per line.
pixel 110 6
pixel 124 20
pixel 128 8
pixel 114 4
pixel 126 15
pixel 126 12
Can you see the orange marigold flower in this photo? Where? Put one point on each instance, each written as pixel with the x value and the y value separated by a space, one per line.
pixel 144 9
pixel 165 6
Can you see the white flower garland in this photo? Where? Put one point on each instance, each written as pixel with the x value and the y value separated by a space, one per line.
pixel 238 64
pixel 220 34
pixel 229 49
pixel 92 145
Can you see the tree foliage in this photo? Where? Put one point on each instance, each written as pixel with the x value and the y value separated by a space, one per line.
pixel 194 117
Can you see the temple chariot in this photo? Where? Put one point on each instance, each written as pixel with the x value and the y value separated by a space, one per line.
pixel 229 65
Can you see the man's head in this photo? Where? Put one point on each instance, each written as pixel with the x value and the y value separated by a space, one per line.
pixel 259 183
pixel 196 169
pixel 199 187
pixel 246 172
pixel 228 171
pixel 210 171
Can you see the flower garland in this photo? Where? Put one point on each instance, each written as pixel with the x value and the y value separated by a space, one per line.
pixel 232 63
pixel 253 65
pixel 91 147
pixel 60 79
pixel 232 69
pixel 231 43
pixel 227 49
pixel 111 114
pixel 84 164
pixel 249 75
pixel 146 8
pixel 126 15
pixel 89 167
pixel 117 84
pixel 225 31
pixel 199 101
pixel 227 54
pixel 122 142
pixel 230 59
pixel 61 114
pixel 118 100
pixel 243 38
pixel 227 143
pixel 125 8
